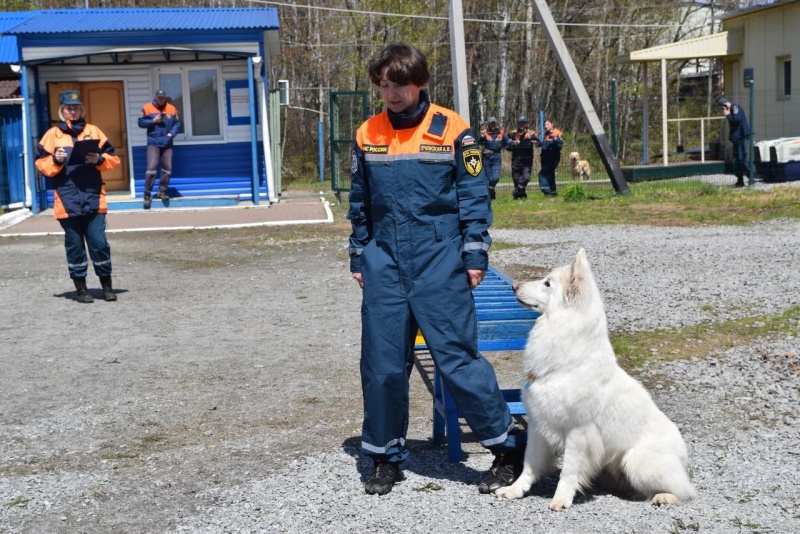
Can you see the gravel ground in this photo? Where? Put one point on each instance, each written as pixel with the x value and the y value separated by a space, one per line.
pixel 221 392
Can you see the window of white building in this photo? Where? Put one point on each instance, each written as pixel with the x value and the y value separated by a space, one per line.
pixel 195 92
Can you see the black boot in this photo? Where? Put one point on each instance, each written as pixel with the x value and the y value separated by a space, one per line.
pixel 492 193
pixel 108 293
pixel 383 479
pixel 82 293
pixel 146 200
pixel 507 466
pixel 739 181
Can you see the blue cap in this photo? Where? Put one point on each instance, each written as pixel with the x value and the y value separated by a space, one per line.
pixel 161 92
pixel 492 120
pixel 522 118
pixel 722 101
pixel 70 98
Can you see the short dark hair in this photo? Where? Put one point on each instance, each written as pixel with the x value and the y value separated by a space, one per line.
pixel 402 63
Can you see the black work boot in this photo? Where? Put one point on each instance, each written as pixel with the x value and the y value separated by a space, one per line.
pixel 82 293
pixel 382 480
pixel 146 200
pixel 506 468
pixel 739 181
pixel 162 195
pixel 108 292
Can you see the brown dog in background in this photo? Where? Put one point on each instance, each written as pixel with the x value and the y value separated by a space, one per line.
pixel 579 167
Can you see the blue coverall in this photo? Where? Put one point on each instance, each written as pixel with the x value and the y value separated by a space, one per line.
pixel 420 211
pixel 739 132
pixel 493 141
pixel 551 144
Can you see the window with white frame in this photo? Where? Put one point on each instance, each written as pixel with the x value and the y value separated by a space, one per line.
pixel 195 92
pixel 783 69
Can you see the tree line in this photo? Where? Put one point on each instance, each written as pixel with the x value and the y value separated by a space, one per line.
pixel 326 46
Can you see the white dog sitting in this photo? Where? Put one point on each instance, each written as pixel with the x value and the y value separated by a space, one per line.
pixel 582 405
pixel 579 167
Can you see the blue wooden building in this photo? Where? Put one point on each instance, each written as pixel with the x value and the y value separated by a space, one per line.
pixel 214 64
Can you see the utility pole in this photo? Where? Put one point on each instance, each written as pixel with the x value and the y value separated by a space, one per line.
pixel 458 57
pixel 581 96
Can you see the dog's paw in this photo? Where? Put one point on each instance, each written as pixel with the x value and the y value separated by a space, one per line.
pixel 665 498
pixel 509 493
pixel 560 505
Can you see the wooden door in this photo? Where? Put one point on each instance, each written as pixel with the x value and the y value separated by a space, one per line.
pixel 105 108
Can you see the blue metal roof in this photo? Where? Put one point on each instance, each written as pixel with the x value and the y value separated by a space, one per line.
pixel 142 19
pixel 8 43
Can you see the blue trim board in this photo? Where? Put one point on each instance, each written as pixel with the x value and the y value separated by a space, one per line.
pixel 222 170
pixel 204 170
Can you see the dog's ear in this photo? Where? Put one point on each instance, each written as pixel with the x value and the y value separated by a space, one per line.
pixel 578 273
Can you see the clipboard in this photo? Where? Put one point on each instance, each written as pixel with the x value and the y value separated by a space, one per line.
pixel 81 148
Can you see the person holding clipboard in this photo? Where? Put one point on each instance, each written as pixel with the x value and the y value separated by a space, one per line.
pixel 72 155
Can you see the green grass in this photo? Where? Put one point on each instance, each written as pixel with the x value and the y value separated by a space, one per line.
pixel 673 203
pixel 687 203
pixel 634 349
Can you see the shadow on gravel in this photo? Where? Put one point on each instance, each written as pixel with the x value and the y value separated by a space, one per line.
pixel 97 293
pixel 425 460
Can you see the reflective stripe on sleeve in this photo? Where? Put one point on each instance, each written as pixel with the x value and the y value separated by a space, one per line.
pixel 476 245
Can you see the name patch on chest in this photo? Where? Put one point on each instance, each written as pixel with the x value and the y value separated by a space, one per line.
pixel 435 148
pixel 376 149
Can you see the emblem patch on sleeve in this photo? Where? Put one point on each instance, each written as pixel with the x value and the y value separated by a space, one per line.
pixel 472 161
pixel 354 164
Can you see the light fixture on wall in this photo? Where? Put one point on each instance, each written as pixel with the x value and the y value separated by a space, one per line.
pixel 257 60
pixel 16 68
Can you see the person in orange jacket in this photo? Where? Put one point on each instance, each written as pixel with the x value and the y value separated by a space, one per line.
pixel 163 124
pixel 420 212
pixel 78 192
pixel 551 143
pixel 521 145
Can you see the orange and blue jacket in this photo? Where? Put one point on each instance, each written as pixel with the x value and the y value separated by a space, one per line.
pixel 418 180
pixel 77 187
pixel 157 131
pixel 551 147
pixel 494 141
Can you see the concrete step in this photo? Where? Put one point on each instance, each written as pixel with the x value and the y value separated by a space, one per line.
pixel 119 202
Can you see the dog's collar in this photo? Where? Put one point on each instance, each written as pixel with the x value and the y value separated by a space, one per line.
pixel 529 381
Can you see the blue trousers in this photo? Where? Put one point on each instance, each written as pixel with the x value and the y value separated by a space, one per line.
pixel 80 232
pixel 493 165
pixel 423 284
pixel 740 159
pixel 547 181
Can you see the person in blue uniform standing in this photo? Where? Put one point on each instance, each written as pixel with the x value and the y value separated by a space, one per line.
pixel 521 145
pixel 163 123
pixel 420 214
pixel 551 143
pixel 494 140
pixel 79 196
pixel 738 135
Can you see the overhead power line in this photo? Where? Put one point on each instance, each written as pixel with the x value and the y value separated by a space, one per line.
pixel 482 21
